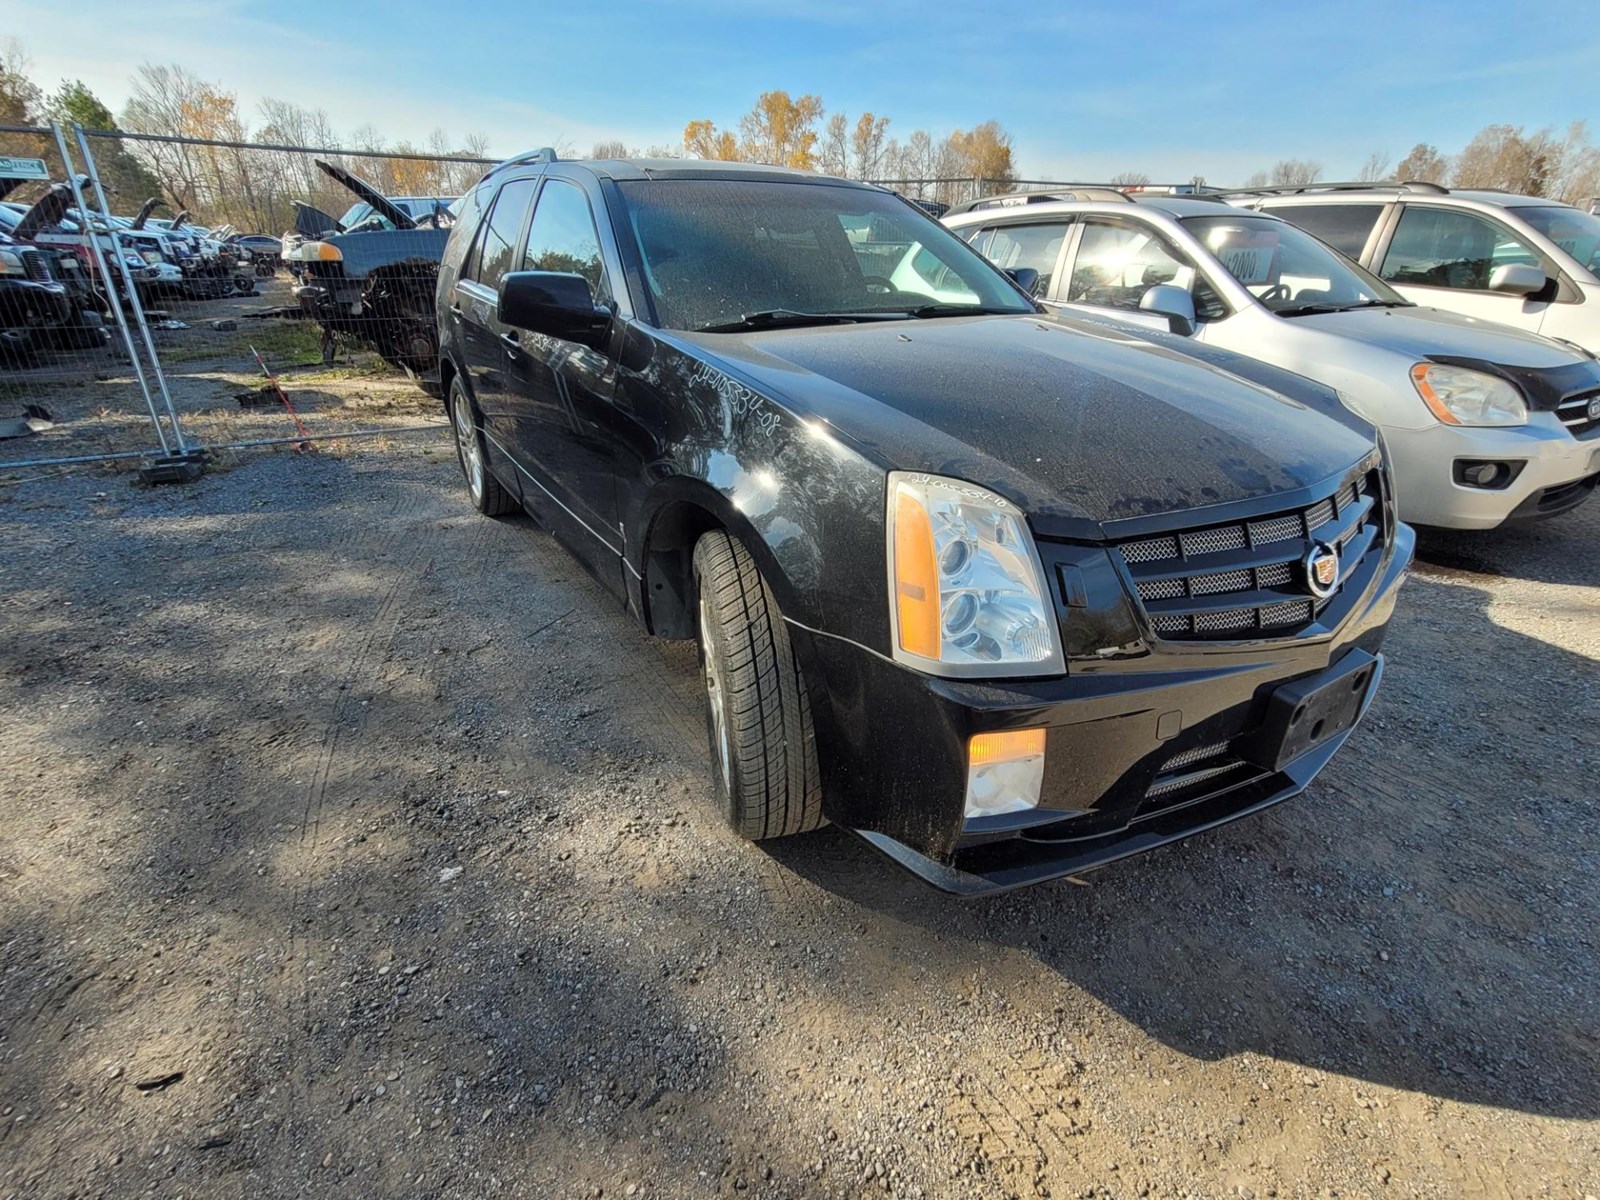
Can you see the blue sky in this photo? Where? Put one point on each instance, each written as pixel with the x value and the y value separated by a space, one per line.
pixel 1167 86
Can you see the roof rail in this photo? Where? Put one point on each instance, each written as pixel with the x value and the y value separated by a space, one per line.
pixel 1021 199
pixel 1297 189
pixel 544 154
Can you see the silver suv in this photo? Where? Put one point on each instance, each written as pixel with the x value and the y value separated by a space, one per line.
pixel 1525 261
pixel 1483 423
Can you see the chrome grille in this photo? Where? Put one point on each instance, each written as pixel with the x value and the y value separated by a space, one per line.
pixel 1574 413
pixel 1229 580
pixel 33 264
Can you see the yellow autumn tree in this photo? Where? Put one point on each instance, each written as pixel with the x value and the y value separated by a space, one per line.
pixel 782 130
pixel 702 139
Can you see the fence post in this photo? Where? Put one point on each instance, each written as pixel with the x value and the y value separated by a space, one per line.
pixel 185 451
pixel 105 278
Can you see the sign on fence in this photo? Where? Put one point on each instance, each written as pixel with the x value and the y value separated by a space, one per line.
pixel 23 168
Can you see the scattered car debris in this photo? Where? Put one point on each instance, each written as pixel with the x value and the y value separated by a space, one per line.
pixel 158 1082
pixel 34 419
pixel 224 325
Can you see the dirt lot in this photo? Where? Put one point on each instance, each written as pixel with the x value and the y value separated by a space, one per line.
pixel 95 399
pixel 354 845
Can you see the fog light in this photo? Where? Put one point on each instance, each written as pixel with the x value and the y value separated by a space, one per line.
pixel 1005 771
pixel 1488 475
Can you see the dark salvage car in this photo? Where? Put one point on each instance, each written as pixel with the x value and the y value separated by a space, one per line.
pixel 372 276
pixel 1010 596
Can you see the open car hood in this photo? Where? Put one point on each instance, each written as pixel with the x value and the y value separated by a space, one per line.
pixel 46 211
pixel 311 222
pixel 395 215
pixel 148 207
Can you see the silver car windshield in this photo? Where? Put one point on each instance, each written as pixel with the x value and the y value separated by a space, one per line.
pixel 1575 231
pixel 1286 269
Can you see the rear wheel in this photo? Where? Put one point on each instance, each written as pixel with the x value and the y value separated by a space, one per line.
pixel 484 490
pixel 758 716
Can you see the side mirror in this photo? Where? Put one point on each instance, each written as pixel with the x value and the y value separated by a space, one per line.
pixel 1025 278
pixel 1517 279
pixel 1173 302
pixel 553 303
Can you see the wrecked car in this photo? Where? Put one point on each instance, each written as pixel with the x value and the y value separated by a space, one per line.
pixel 371 275
pixel 1010 597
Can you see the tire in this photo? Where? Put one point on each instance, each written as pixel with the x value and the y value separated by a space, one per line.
pixel 483 489
pixel 758 716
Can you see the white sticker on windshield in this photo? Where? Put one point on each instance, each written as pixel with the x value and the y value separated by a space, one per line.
pixel 1247 256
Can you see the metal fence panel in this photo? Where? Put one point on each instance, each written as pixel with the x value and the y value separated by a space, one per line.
pixel 76 384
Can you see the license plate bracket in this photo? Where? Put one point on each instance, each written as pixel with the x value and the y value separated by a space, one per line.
pixel 1310 712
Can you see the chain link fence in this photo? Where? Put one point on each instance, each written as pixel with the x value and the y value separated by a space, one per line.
pixel 259 294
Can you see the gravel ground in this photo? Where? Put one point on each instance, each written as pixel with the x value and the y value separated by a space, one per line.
pixel 354 845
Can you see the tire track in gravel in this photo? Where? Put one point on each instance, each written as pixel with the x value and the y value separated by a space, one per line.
pixel 361 673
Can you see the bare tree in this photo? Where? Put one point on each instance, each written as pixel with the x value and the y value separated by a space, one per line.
pixel 1258 180
pixel 1504 156
pixel 1295 172
pixel 1375 168
pixel 1129 179
pixel 834 158
pixel 611 149
pixel 1423 165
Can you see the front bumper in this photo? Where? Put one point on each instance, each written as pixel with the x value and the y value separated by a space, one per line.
pixel 1551 468
pixel 1138 747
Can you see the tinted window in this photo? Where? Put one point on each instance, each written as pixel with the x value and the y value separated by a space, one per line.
pixel 1118 262
pixel 1443 247
pixel 1038 246
pixel 1343 226
pixel 563 238
pixel 498 245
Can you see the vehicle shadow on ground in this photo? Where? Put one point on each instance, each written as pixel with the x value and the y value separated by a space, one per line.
pixel 1559 550
pixel 1405 922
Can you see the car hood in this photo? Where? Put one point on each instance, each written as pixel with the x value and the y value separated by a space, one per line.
pixel 1432 333
pixel 397 216
pixel 46 211
pixel 1079 423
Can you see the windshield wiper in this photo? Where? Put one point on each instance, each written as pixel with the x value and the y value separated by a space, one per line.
pixel 1303 310
pixel 962 310
pixel 778 318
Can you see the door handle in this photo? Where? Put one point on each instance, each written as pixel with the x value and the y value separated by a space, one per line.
pixel 511 340
pixel 455 311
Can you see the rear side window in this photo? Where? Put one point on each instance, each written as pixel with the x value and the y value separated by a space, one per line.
pixel 1038 246
pixel 1449 248
pixel 1345 227
pixel 563 237
pixel 498 245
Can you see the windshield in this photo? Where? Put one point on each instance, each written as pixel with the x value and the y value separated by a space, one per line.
pixel 716 251
pixel 1287 269
pixel 1575 231
pixel 418 208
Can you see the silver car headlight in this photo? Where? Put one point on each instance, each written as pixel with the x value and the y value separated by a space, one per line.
pixel 1461 396
pixel 967 592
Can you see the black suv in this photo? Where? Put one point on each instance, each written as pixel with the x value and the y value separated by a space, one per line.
pixel 1009 595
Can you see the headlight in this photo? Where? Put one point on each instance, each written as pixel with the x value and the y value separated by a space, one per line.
pixel 966 589
pixel 11 264
pixel 1459 396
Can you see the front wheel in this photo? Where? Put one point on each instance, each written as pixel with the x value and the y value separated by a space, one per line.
pixel 758 716
pixel 483 489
